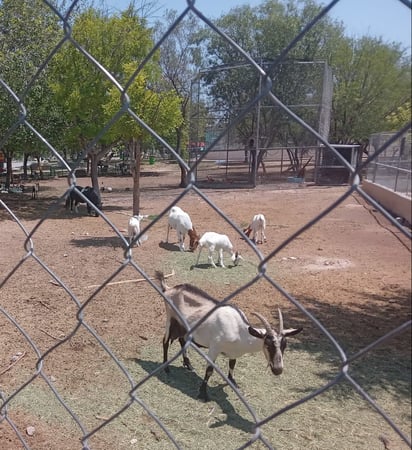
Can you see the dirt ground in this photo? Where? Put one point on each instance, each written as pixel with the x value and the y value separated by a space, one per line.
pixel 351 270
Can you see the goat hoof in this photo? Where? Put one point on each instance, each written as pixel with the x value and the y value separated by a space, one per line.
pixel 203 397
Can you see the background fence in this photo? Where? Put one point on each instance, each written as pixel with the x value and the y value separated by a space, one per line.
pixel 316 164
pixel 392 167
pixel 84 431
pixel 310 89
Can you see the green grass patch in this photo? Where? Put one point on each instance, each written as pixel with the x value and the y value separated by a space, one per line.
pixel 338 418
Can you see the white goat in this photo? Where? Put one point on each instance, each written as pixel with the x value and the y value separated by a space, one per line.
pixel 35 191
pixel 226 330
pixel 220 242
pixel 134 229
pixel 257 226
pixel 181 222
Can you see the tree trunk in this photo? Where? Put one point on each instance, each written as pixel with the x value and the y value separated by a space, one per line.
pixel 94 161
pixel 183 172
pixel 39 167
pixel 294 160
pixel 9 166
pixel 25 159
pixel 183 176
pixel 135 152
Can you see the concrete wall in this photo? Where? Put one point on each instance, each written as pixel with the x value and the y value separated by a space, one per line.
pixel 392 201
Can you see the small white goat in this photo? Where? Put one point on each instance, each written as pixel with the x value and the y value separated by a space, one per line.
pixel 35 191
pixel 134 229
pixel 220 242
pixel 225 331
pixel 257 226
pixel 181 222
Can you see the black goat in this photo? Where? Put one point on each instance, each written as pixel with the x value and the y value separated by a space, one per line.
pixel 74 198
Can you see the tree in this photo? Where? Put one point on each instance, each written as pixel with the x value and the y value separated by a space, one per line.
pixel 29 31
pixel 264 31
pixel 399 117
pixel 81 87
pixel 157 108
pixel 179 63
pixel 372 81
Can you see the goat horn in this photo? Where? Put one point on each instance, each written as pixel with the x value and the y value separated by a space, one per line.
pixel 280 321
pixel 265 323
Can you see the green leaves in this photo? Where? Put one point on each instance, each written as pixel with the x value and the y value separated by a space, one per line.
pixel 371 81
pixel 371 78
pixel 399 117
pixel 160 110
pixel 29 32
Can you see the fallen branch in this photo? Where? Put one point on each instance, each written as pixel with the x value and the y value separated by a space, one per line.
pixel 136 280
pixel 12 364
pixel 44 304
pixel 48 334
pixel 102 418
pixel 113 283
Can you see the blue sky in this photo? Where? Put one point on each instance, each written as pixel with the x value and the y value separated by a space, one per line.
pixel 389 19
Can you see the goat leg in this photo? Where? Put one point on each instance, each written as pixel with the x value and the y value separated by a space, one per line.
pixel 221 264
pixel 186 360
pixel 210 256
pixel 203 387
pixel 165 349
pixel 232 363
pixel 211 262
pixel 198 256
pixel 187 364
pixel 181 240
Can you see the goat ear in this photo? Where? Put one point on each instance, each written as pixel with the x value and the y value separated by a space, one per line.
pixel 291 331
pixel 256 333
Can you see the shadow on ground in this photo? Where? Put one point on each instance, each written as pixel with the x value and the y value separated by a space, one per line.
pixel 356 326
pixel 188 383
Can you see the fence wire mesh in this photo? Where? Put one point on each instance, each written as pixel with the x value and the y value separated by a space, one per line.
pixel 82 329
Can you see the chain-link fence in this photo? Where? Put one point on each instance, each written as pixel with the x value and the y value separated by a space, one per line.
pixel 392 168
pixel 85 336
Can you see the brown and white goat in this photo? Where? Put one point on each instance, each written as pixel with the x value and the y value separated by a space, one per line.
pixel 180 221
pixel 225 331
pixel 256 227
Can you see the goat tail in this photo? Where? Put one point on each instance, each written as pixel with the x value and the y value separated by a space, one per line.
pixel 160 276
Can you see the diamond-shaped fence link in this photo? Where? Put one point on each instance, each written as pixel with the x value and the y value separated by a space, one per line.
pixel 83 431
